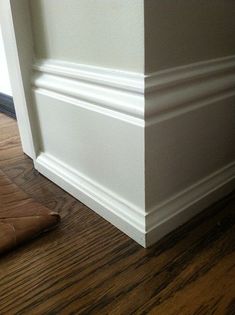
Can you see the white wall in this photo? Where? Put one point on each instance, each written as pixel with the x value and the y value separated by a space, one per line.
pixel 187 31
pixel 5 86
pixel 100 33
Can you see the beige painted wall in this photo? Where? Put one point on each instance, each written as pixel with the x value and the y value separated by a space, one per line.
pixel 187 31
pixel 107 33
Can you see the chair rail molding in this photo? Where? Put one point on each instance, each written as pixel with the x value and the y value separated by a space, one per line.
pixel 117 91
pixel 177 90
pixel 146 96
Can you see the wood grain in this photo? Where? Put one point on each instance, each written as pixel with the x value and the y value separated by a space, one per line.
pixel 21 218
pixel 87 266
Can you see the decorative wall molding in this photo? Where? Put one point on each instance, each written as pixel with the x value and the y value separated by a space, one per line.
pixel 120 92
pixel 146 227
pixel 182 205
pixel 163 228
pixel 142 100
pixel 121 80
pixel 123 102
pixel 176 91
pixel 113 208
pixel 107 113
pixel 149 98
pixel 176 76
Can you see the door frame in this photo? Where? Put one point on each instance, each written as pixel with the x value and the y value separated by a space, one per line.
pixel 17 37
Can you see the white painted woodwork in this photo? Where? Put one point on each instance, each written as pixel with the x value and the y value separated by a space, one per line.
pixel 147 149
pixel 5 86
pixel 16 31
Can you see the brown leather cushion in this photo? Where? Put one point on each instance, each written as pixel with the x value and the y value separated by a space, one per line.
pixel 21 218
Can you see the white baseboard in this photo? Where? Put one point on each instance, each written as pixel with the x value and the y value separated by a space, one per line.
pixel 119 212
pixel 175 211
pixel 123 119
pixel 114 127
pixel 146 228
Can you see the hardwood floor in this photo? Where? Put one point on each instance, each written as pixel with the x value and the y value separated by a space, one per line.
pixel 21 218
pixel 87 266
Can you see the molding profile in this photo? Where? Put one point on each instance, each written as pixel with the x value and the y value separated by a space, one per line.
pixel 120 102
pixel 142 100
pixel 145 97
pixel 184 205
pixel 145 228
pixel 119 212
pixel 117 79
pixel 115 93
pixel 196 71
pixel 123 119
pixel 176 91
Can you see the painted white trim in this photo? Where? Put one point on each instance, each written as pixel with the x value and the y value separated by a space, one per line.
pixel 130 81
pixel 145 228
pixel 91 107
pixel 170 111
pixel 126 216
pixel 120 101
pixel 159 229
pixel 168 93
pixel 152 97
pixel 16 31
pixel 178 90
pixel 192 194
pixel 137 98
pixel 190 72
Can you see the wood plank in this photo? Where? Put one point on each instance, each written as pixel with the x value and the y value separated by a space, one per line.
pixel 21 218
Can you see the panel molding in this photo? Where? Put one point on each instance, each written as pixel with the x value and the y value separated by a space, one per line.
pixel 121 95
pixel 150 98
pixel 195 71
pixel 137 98
pixel 110 90
pixel 176 91
pixel 121 80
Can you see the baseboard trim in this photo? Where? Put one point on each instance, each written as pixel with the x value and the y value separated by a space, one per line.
pixel 176 91
pixel 7 105
pixel 122 214
pixel 180 208
pixel 148 97
pixel 144 227
pixel 122 95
